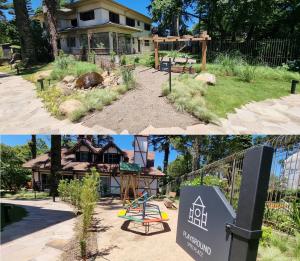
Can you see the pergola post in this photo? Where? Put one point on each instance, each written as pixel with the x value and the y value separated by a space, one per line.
pixel 204 51
pixel 156 52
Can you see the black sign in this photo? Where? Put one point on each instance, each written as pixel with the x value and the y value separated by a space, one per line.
pixel 164 66
pixel 201 229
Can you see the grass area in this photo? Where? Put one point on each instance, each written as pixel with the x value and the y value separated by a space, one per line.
pixel 27 195
pixel 15 214
pixel 278 247
pixel 238 83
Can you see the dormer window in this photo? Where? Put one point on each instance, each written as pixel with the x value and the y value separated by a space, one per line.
pixel 112 158
pixel 86 16
pixel 114 18
pixel 130 22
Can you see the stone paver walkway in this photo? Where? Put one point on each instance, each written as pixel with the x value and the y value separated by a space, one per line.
pixel 273 116
pixel 22 112
pixel 41 235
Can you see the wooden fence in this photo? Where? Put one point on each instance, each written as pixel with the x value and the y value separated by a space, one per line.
pixel 272 52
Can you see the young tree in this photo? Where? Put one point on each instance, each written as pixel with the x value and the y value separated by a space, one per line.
pixel 50 11
pixel 55 163
pixel 24 29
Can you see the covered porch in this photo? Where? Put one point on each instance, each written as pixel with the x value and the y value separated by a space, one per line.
pixel 103 40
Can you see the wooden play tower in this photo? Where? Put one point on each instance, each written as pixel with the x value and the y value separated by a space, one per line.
pixel 131 172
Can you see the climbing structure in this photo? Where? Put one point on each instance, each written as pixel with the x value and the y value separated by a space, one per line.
pixel 143 212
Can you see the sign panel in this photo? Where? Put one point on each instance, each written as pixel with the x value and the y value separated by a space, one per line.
pixel 164 66
pixel 201 228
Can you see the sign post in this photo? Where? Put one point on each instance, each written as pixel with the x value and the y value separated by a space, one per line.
pixel 201 228
pixel 246 231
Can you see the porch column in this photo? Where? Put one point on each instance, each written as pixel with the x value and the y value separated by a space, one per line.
pixel 89 41
pixel 111 42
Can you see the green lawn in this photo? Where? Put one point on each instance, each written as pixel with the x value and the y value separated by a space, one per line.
pixel 27 195
pixel 15 214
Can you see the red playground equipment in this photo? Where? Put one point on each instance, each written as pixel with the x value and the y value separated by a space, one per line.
pixel 143 212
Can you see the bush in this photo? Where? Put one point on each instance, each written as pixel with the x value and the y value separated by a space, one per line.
pixel 266 236
pixel 230 63
pixel 247 73
pixel 188 95
pixel 128 77
pixel 294 66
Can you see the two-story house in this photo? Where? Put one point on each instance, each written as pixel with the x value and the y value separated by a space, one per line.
pixel 103 26
pixel 110 161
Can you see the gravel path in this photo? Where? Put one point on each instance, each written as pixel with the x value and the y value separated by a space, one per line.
pixel 142 107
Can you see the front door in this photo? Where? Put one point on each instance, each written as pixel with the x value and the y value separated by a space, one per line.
pixel 104 186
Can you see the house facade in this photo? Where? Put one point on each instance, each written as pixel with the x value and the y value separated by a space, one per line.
pixel 110 161
pixel 103 26
pixel 291 172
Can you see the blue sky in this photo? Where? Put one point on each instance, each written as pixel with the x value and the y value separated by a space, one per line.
pixel 137 5
pixel 124 142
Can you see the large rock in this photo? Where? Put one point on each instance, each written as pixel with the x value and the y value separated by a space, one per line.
pixel 207 78
pixel 89 80
pixel 69 79
pixel 42 75
pixel 69 106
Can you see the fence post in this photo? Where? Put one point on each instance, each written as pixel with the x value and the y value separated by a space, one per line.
pixel 170 75
pixel 246 231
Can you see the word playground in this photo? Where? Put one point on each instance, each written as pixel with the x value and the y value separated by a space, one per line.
pixel 143 212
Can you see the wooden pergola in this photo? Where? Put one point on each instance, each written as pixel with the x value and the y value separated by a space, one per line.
pixel 203 38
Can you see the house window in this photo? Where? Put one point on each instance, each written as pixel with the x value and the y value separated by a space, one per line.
pixel 84 156
pixel 83 38
pixel 147 43
pixel 86 16
pixel 74 22
pixel 71 42
pixel 100 40
pixel 147 27
pixel 111 158
pixel 130 22
pixel 114 18
pixel 138 23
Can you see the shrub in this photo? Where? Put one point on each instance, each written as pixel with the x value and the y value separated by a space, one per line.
pixel 230 63
pixel 128 77
pixel 294 66
pixel 266 236
pixel 123 60
pixel 188 95
pixel 247 73
pixel 63 61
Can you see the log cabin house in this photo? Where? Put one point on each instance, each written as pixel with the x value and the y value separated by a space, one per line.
pixel 115 166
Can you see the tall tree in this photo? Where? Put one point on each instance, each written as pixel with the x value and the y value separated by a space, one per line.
pixel 23 25
pixel 162 143
pixel 50 8
pixel 33 146
pixel 55 163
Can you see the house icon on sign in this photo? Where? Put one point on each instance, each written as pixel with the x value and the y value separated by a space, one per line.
pixel 197 214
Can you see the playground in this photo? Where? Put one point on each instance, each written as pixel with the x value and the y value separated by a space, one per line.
pixel 122 238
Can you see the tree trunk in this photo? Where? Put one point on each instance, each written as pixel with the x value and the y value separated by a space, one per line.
pixel 55 163
pixel 33 146
pixel 166 155
pixel 196 153
pixel 23 25
pixel 50 12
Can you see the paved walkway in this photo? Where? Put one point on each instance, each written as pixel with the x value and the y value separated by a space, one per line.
pixel 142 107
pixel 22 112
pixel 41 235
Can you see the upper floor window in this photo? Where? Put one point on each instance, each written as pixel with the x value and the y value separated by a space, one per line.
pixel 112 158
pixel 71 42
pixel 114 18
pixel 84 156
pixel 147 27
pixel 74 22
pixel 138 23
pixel 130 22
pixel 86 16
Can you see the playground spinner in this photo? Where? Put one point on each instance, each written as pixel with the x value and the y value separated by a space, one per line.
pixel 143 212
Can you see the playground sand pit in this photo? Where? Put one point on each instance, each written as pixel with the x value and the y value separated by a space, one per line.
pixel 119 239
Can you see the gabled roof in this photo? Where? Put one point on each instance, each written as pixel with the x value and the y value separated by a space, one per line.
pixel 199 202
pixel 85 142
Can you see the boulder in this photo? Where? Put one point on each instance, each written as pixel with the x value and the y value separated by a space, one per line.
pixel 69 106
pixel 89 80
pixel 207 78
pixel 69 79
pixel 65 89
pixel 42 75
pixel 104 74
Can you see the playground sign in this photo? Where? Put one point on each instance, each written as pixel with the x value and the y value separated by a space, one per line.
pixel 201 229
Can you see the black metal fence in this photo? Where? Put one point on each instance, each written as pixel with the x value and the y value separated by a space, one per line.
pixel 283 202
pixel 271 52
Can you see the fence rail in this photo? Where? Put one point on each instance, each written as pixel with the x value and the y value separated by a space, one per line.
pixel 283 201
pixel 272 52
